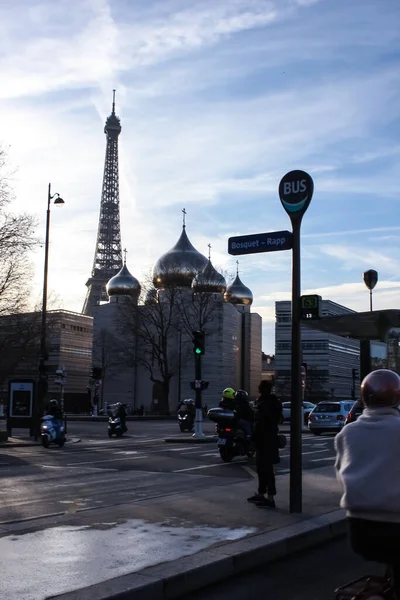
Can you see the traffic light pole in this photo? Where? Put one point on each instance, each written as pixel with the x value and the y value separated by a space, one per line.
pixel 198 426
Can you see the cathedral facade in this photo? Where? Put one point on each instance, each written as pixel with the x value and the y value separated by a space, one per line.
pixel 143 342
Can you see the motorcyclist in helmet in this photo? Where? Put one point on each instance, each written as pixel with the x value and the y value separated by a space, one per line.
pixel 228 399
pixel 187 406
pixel 54 409
pixel 368 467
pixel 244 412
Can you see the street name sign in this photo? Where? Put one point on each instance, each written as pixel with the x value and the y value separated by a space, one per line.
pixel 260 242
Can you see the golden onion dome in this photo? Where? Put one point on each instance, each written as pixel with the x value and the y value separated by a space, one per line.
pixel 123 284
pixel 178 266
pixel 209 280
pixel 238 293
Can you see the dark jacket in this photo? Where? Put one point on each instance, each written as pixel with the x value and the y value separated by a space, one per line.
pixel 267 417
pixel 244 410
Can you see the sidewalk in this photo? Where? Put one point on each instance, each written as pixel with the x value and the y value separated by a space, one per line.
pixel 167 546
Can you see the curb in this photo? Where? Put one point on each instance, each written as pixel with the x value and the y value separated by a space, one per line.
pixel 185 575
pixel 19 444
pixel 191 440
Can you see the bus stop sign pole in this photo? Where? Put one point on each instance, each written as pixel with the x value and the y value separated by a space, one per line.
pixel 295 192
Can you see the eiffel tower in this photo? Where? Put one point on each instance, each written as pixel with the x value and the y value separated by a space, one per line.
pixel 108 253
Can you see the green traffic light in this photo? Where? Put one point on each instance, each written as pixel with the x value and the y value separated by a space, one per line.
pixel 197 351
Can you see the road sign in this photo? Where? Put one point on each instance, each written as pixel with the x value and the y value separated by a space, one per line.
pixel 260 242
pixel 295 192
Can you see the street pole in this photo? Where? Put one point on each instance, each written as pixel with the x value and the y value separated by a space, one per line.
pixel 295 193
pixel 370 300
pixel 296 408
pixel 179 367
pixel 198 426
pixel 43 384
pixel 43 329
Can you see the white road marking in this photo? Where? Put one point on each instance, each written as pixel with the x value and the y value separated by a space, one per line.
pixel 87 483
pixel 305 453
pixel 208 466
pixel 106 460
pixel 250 471
pixel 332 458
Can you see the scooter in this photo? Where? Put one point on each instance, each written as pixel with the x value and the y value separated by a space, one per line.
pixel 185 421
pixel 115 427
pixel 231 440
pixel 52 431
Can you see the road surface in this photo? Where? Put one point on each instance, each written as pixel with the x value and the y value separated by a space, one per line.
pixel 99 471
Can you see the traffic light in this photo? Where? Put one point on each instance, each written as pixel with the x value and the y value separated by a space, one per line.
pixel 198 342
pixel 310 307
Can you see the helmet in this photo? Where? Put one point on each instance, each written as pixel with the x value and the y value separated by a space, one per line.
pixel 381 388
pixel 188 401
pixel 241 395
pixel 53 403
pixel 228 394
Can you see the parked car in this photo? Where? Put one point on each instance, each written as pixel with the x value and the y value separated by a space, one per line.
pixel 329 416
pixel 355 412
pixel 307 408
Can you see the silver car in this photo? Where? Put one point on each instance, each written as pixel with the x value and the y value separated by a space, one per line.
pixel 329 416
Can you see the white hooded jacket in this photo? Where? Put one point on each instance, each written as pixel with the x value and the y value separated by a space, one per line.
pixel 368 465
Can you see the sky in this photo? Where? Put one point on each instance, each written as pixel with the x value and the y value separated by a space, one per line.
pixel 218 99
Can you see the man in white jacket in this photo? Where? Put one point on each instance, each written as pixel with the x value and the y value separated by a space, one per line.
pixel 368 466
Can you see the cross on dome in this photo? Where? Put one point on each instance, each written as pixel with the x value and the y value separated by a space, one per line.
pixel 184 217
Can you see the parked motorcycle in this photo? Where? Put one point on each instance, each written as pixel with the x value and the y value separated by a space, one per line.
pixel 52 431
pixel 115 427
pixel 231 440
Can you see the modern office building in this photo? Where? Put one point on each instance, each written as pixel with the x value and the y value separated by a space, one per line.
pixel 330 359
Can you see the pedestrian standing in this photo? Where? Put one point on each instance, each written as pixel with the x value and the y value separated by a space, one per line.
pixel 268 413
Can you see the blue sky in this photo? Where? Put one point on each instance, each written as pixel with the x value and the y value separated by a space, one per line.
pixel 218 99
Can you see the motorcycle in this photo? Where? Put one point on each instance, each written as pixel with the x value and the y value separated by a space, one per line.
pixel 52 431
pixel 185 421
pixel 231 440
pixel 115 427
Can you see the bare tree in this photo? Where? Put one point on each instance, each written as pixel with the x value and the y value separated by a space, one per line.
pixel 17 239
pixel 151 331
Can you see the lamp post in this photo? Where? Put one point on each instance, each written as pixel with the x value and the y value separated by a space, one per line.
pixel 370 279
pixel 58 201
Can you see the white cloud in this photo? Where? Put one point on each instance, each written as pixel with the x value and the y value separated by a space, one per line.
pixel 217 101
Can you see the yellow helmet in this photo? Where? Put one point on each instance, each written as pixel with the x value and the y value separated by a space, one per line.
pixel 228 394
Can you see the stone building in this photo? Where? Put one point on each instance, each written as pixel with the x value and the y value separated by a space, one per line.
pixel 141 325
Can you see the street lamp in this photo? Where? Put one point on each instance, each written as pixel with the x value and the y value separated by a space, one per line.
pixel 58 201
pixel 370 279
